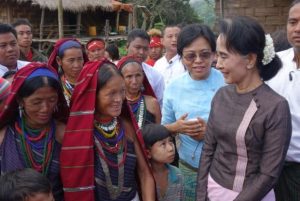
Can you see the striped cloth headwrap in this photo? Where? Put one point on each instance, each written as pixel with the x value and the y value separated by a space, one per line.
pixel 77 154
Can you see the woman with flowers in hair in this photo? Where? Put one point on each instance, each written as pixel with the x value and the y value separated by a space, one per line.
pixel 249 126
pixel 139 93
pixel 68 58
pixel 32 124
pixel 102 157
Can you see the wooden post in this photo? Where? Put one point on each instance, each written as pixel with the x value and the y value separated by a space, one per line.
pixel 60 18
pixel 42 28
pixel 8 11
pixel 134 17
pixel 129 22
pixel 78 24
pixel 222 9
pixel 117 21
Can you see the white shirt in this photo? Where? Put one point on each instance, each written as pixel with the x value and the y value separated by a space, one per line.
pixel 20 64
pixel 156 81
pixel 287 84
pixel 169 69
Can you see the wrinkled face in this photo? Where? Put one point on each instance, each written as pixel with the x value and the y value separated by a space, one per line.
pixel 39 106
pixel 163 151
pixel 155 53
pixel 133 76
pixel 232 65
pixel 71 63
pixel 169 39
pixel 24 35
pixel 293 26
pixel 9 50
pixel 198 57
pixel 96 54
pixel 40 197
pixel 110 98
pixel 138 48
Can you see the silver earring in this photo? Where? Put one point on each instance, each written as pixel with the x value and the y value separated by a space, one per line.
pixel 20 111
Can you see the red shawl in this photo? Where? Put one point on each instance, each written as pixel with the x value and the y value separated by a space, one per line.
pixel 77 154
pixel 11 106
pixel 148 88
pixel 54 53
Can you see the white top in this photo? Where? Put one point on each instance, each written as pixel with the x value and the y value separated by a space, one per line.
pixel 169 69
pixel 20 64
pixel 287 84
pixel 156 81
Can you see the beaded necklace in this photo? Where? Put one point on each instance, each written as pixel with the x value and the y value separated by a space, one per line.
pixel 68 89
pixel 138 108
pixel 34 140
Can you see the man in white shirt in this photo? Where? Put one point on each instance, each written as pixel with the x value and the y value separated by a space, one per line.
pixel 287 84
pixel 170 65
pixel 9 50
pixel 138 45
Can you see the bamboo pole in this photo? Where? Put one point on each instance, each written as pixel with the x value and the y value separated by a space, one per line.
pixel 78 24
pixel 42 27
pixel 60 18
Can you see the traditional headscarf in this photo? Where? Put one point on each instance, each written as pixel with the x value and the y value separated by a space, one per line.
pixel 155 42
pixel 4 88
pixel 33 69
pixel 131 59
pixel 62 45
pixel 95 44
pixel 77 154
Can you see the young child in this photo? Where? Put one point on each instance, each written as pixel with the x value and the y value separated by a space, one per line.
pixel 161 152
pixel 25 185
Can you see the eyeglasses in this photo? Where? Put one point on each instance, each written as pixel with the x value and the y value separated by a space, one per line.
pixel 191 57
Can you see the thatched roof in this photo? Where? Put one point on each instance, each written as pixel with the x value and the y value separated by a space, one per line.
pixel 73 5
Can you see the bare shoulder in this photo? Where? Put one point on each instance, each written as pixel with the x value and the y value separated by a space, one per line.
pixel 129 130
pixel 150 99
pixel 2 134
pixel 60 130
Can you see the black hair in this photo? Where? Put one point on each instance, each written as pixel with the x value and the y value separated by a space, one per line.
pixel 107 71
pixel 6 28
pixel 137 33
pixel 280 40
pixel 94 39
pixel 153 133
pixel 22 21
pixel 113 51
pixel 193 31
pixel 9 74
pixel 21 184
pixel 294 3
pixel 180 26
pixel 31 85
pixel 244 35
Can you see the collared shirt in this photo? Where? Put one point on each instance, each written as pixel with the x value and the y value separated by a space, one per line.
pixel 156 81
pixel 169 69
pixel 287 83
pixel 20 64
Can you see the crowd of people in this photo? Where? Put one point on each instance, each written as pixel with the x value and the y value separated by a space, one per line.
pixel 184 116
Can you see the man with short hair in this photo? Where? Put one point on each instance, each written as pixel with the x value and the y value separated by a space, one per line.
pixel 287 84
pixel 9 50
pixel 170 65
pixel 138 46
pixel 24 37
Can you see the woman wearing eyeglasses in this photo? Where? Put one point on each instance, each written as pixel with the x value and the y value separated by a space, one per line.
pixel 187 99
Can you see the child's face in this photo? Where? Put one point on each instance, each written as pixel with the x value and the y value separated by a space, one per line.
pixel 163 151
pixel 40 197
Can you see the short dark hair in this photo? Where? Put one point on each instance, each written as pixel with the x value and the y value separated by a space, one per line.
pixel 153 133
pixel 106 72
pixel 193 31
pixel 20 184
pixel 180 26
pixel 6 28
pixel 113 51
pixel 294 3
pixel 252 41
pixel 280 40
pixel 137 33
pixel 22 21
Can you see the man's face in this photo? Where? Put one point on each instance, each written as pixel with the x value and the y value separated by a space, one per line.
pixel 169 39
pixel 24 35
pixel 293 26
pixel 9 50
pixel 155 53
pixel 138 48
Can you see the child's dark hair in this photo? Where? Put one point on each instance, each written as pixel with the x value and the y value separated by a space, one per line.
pixel 244 35
pixel 153 133
pixel 20 184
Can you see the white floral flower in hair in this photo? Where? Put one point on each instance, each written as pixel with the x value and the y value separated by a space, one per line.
pixel 269 51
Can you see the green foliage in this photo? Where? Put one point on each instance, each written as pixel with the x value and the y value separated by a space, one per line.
pixel 205 10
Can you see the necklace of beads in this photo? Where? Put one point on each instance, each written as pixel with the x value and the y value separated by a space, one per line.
pixel 139 110
pixel 33 140
pixel 107 133
pixel 68 89
pixel 107 127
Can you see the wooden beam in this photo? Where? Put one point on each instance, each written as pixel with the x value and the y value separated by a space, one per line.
pixel 78 25
pixel 60 18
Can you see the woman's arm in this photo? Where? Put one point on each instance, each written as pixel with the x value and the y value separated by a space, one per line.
pixel 60 131
pixel 276 141
pixel 153 107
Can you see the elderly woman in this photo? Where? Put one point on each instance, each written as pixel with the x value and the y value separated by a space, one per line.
pixel 139 93
pixel 31 125
pixel 102 157
pixel 68 57
pixel 187 99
